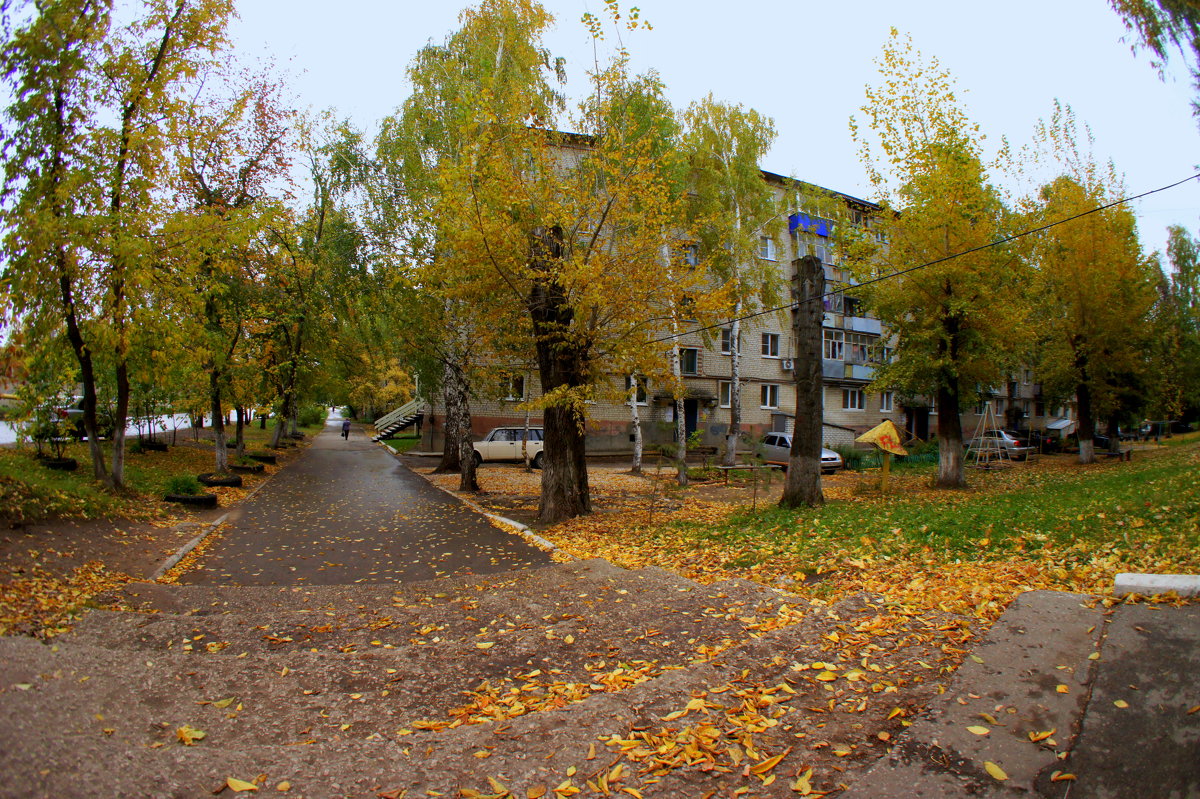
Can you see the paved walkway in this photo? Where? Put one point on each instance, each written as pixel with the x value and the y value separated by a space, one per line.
pixel 348 512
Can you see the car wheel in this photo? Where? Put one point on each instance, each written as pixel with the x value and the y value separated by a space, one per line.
pixel 537 461
pixel 478 459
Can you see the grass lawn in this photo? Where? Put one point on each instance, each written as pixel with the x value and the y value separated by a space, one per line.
pixel 1048 524
pixel 404 443
pixel 31 492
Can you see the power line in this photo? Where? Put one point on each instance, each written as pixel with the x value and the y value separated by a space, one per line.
pixel 903 272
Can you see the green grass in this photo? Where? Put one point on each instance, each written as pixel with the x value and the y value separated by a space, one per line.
pixel 402 444
pixel 1151 505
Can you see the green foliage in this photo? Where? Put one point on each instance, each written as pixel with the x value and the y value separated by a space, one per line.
pixel 960 319
pixel 184 484
pixel 312 416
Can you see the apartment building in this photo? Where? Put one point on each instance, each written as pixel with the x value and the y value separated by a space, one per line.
pixel 853 345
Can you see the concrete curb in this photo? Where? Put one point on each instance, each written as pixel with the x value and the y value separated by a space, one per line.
pixel 183 551
pixel 523 531
pixel 1184 585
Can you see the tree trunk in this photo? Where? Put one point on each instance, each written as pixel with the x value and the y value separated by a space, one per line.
pixel 803 486
pixel 454 400
pixel 636 423
pixel 1087 422
pixel 117 476
pixel 239 433
pixel 562 367
pixel 681 475
pixel 525 444
pixel 950 440
pixel 735 388
pixel 218 425
pixel 87 374
pixel 462 433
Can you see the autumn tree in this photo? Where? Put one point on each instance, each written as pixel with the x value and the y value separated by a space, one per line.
pixel 733 213
pixel 952 299
pixel 1163 25
pixel 1176 340
pixel 232 146
pixel 1094 288
pixel 48 280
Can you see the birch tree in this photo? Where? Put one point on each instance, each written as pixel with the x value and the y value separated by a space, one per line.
pixel 735 217
pixel 959 317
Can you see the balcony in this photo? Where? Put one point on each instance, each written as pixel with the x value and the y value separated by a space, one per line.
pixel 834 370
pixel 864 324
pixel 856 371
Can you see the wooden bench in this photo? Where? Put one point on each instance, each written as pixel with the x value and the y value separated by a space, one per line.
pixel 727 469
pixel 1123 455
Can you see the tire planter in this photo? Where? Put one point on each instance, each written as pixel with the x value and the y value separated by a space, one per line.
pixel 296 436
pixel 225 481
pixel 61 464
pixel 193 500
pixel 247 469
pixel 262 458
pixel 152 446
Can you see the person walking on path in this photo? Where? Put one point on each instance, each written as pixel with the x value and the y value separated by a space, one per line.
pixel 346 429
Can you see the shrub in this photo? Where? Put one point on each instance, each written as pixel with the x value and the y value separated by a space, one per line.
pixel 312 416
pixel 184 484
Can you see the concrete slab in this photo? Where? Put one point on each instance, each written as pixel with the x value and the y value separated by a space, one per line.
pixel 1149 746
pixel 1030 675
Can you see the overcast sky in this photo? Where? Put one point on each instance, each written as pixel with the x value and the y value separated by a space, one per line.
pixel 803 64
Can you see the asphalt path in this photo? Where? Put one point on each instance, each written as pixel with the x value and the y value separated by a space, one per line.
pixel 349 512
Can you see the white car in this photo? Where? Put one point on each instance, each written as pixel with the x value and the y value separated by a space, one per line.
pixel 504 444
pixel 992 441
pixel 776 449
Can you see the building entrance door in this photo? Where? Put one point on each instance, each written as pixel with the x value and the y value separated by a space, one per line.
pixel 691 415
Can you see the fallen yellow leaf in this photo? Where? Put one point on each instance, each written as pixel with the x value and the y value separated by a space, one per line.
pixel 1059 776
pixel 762 767
pixel 1121 703
pixel 234 784
pixel 978 729
pixel 1062 689
pixel 188 736
pixel 486 644
pixel 995 771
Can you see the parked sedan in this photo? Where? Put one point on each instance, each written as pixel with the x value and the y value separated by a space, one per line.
pixel 504 444
pixel 776 448
pixel 999 439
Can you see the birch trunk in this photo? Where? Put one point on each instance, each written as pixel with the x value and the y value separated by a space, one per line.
pixel 218 424
pixel 950 439
pixel 735 388
pixel 636 422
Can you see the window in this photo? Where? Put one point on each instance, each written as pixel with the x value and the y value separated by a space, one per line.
pixel 727 341
pixel 1027 375
pixel 852 306
pixel 1039 408
pixel 858 347
pixel 689 361
pixel 833 302
pixel 854 399
pixel 834 344
pixel 725 392
pixel 641 391
pixel 515 388
pixel 770 396
pixel 766 248
pixel 691 255
pixel 770 345
pixel 885 401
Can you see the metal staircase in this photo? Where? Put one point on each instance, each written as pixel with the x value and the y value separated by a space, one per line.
pixel 397 420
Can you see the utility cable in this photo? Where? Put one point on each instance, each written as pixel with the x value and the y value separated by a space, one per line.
pixel 902 272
